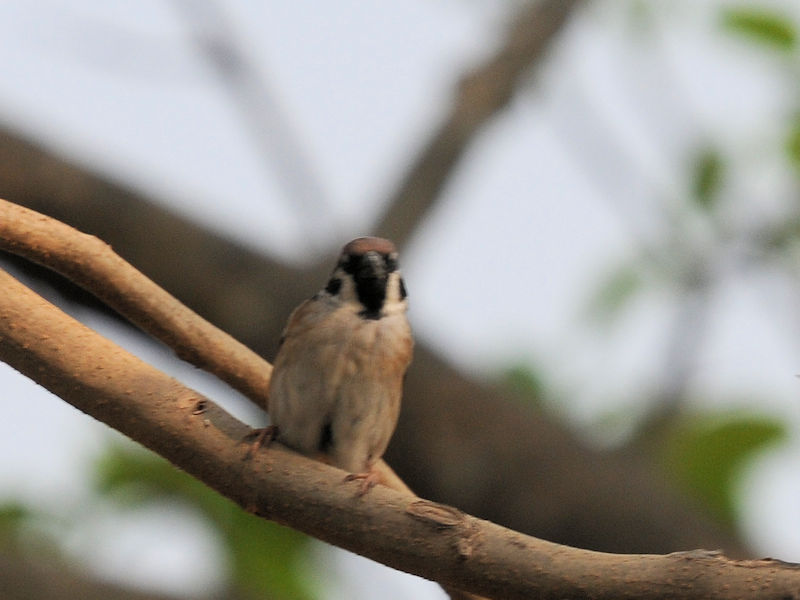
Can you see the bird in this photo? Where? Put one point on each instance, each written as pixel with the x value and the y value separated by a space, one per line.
pixel 337 383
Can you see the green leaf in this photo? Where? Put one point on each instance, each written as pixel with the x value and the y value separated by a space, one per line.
pixel 614 292
pixel 706 455
pixel 523 380
pixel 782 237
pixel 28 531
pixel 13 516
pixel 761 25
pixel 792 144
pixel 707 177
pixel 266 559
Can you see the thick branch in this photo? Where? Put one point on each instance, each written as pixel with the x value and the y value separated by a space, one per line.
pixel 431 540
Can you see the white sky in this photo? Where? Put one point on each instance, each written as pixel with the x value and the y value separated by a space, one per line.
pixel 557 190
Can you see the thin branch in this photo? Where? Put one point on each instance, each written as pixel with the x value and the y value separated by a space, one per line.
pixel 90 262
pixel 410 534
pixel 482 93
pixel 259 106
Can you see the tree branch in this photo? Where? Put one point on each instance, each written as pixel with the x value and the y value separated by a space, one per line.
pixel 413 535
pixel 482 93
pixel 261 112
pixel 90 262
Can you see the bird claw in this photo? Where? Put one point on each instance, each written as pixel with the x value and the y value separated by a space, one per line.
pixel 264 437
pixel 368 481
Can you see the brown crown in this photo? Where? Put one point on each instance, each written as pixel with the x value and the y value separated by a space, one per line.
pixel 363 245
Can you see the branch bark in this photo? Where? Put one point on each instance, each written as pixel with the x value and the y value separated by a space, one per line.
pixel 414 535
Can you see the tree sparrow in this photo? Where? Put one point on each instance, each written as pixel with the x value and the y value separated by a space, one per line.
pixel 338 379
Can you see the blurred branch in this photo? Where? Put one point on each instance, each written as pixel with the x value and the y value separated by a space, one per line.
pixel 27 580
pixel 264 118
pixel 223 281
pixel 106 382
pixel 482 94
pixel 686 338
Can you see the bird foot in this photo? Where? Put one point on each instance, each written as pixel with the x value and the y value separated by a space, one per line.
pixel 368 480
pixel 263 437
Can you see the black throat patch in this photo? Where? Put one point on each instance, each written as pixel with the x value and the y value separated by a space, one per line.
pixel 372 294
pixel 370 274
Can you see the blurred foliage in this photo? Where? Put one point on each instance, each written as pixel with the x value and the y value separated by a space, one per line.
pixel 792 145
pixel 614 292
pixel 707 454
pixel 29 532
pixel 267 560
pixel 525 382
pixel 761 25
pixel 707 179
pixel 13 517
pixel 783 237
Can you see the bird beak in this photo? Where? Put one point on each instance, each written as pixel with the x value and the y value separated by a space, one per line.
pixel 373 266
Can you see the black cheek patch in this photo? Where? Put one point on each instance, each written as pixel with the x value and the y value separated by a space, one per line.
pixel 334 285
pixel 349 264
pixel 403 292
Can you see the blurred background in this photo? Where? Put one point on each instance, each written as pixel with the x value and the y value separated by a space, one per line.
pixel 598 205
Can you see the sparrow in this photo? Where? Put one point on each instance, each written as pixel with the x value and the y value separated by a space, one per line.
pixel 337 382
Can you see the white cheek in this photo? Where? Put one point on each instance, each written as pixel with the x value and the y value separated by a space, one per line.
pixel 395 303
pixel 348 291
pixel 393 288
pixel 347 298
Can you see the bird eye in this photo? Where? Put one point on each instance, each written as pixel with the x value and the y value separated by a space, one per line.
pixel 391 263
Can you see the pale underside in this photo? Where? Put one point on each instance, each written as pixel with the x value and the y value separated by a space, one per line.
pixel 340 392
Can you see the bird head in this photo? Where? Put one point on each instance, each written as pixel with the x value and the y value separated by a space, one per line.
pixel 367 274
